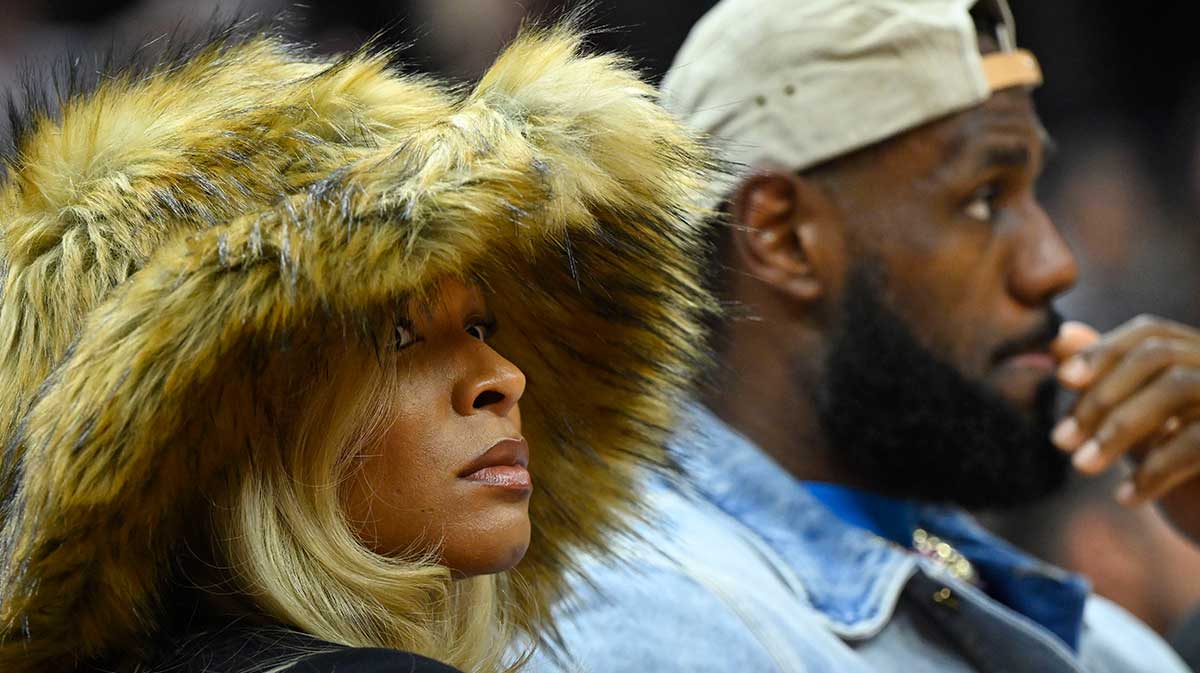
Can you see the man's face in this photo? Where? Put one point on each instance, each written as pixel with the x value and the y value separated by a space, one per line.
pixel 970 261
pixel 939 371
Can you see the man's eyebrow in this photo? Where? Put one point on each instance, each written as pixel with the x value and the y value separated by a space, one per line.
pixel 1017 156
pixel 1013 149
pixel 993 153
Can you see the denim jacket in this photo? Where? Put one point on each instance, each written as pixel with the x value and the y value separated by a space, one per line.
pixel 742 569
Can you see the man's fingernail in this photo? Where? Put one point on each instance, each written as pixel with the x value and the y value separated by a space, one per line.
pixel 1075 370
pixel 1126 493
pixel 1066 434
pixel 1088 457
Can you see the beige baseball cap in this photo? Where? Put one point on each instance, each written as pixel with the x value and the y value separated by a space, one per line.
pixel 798 82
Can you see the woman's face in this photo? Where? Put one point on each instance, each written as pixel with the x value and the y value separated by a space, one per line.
pixel 451 472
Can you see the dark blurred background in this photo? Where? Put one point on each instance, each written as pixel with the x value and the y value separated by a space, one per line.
pixel 1122 99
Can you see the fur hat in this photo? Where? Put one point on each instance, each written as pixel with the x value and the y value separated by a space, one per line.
pixel 164 233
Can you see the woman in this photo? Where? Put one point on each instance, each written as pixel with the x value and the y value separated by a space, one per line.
pixel 306 356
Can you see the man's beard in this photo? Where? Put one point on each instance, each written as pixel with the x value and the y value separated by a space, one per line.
pixel 910 425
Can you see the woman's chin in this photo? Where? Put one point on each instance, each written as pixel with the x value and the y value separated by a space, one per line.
pixel 513 558
pixel 489 551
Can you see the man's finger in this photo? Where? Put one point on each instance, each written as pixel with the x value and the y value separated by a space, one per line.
pixel 1142 364
pixel 1140 418
pixel 1084 367
pixel 1073 337
pixel 1168 466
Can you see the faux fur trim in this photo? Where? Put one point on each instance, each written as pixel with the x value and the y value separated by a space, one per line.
pixel 171 232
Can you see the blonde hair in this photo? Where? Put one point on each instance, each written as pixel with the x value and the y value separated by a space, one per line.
pixel 286 544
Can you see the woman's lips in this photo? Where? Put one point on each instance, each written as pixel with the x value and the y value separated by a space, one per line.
pixel 504 465
pixel 512 477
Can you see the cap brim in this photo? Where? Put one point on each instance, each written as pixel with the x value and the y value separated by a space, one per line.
pixel 1007 69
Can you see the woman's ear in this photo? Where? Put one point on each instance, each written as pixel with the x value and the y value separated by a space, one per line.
pixel 782 233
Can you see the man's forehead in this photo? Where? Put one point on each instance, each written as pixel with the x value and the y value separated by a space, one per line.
pixel 1007 118
pixel 1004 130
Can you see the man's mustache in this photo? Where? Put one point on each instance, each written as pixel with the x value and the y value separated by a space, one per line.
pixel 1038 339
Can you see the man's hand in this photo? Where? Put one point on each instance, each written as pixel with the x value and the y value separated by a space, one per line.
pixel 1139 391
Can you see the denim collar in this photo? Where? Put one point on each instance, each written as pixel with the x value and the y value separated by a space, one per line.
pixel 889 518
pixel 849 574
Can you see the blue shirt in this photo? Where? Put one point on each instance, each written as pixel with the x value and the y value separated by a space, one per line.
pixel 738 567
pixel 1055 600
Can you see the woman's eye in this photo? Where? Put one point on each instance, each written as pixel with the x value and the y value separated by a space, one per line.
pixel 405 336
pixel 980 207
pixel 482 329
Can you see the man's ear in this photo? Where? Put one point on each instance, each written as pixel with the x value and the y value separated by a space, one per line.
pixel 783 230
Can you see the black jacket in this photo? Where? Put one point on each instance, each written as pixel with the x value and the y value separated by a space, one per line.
pixel 253 649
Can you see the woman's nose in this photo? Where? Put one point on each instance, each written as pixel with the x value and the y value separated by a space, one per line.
pixel 493 384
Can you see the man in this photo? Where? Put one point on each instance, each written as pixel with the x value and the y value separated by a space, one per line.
pixel 891 363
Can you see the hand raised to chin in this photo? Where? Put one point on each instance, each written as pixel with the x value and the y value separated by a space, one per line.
pixel 1139 396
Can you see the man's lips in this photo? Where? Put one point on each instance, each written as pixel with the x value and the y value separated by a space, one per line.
pixel 504 465
pixel 1033 350
pixel 1040 360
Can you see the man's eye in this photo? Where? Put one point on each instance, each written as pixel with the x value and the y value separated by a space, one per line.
pixel 980 207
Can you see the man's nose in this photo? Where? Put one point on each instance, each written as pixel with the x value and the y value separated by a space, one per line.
pixel 1043 265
